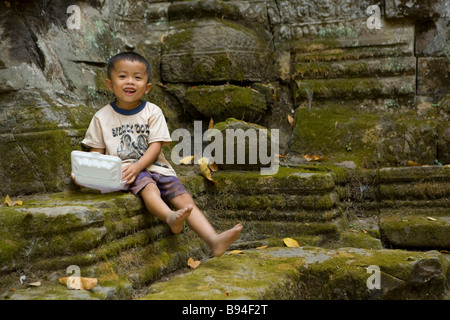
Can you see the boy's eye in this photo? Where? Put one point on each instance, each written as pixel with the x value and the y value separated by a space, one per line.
pixel 138 78
pixel 122 76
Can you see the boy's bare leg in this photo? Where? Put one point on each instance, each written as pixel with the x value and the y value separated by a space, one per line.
pixel 156 206
pixel 197 221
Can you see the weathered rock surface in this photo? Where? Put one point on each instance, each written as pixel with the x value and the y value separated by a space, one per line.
pixel 112 238
pixel 314 56
pixel 311 273
pixel 223 102
pixel 366 88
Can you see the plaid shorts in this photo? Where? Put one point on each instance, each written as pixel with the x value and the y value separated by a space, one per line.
pixel 169 186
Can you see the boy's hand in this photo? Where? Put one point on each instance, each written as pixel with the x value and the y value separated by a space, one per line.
pixel 131 172
pixel 73 179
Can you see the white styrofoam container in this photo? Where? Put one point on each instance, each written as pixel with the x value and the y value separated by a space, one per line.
pixel 95 169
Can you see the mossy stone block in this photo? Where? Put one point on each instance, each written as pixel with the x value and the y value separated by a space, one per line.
pixel 349 132
pixel 410 231
pixel 309 273
pixel 225 101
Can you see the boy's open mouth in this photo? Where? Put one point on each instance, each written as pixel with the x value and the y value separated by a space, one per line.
pixel 129 91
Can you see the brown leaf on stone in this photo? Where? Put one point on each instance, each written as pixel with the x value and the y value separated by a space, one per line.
pixel 203 162
pixel 315 157
pixel 193 264
pixel 213 166
pixel 291 243
pixel 78 283
pixel 11 203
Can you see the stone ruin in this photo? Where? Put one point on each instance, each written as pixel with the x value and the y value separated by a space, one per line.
pixel 362 84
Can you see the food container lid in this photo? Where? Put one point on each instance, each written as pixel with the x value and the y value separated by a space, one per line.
pixel 98 169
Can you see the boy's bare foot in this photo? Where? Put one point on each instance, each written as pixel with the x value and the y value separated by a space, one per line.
pixel 176 219
pixel 222 241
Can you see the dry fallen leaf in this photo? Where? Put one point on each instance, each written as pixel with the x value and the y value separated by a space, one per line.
pixel 291 243
pixel 211 123
pixel 11 203
pixel 315 157
pixel 204 169
pixel 213 166
pixel 78 283
pixel 187 160
pixel 235 252
pixel 412 164
pixel 262 247
pixel 193 264
pixel 432 219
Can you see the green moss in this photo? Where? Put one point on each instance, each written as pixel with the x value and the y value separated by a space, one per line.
pixel 358 239
pixel 338 32
pixel 355 88
pixel 222 102
pixel 228 284
pixel 352 132
pixel 415 191
pixel 409 231
pixel 329 130
pixel 298 273
pixel 51 163
pixel 177 40
pixel 358 68
pixel 12 239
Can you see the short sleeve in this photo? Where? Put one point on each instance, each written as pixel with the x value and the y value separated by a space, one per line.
pixel 158 128
pixel 94 135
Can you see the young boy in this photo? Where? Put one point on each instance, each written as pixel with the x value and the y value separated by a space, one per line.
pixel 135 131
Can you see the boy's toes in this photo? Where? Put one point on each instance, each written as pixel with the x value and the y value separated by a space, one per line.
pixel 176 219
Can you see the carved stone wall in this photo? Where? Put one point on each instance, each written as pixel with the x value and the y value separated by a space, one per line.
pixel 372 96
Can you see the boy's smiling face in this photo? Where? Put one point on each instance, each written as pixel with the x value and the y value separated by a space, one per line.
pixel 128 81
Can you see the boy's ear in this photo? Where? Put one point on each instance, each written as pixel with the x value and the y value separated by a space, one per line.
pixel 148 87
pixel 109 84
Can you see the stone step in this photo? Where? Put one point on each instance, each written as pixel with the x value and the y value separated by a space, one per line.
pixel 418 173
pixel 304 273
pixel 310 273
pixel 411 205
pixel 112 238
pixel 392 66
pixel 270 214
pixel 428 190
pixel 310 231
pixel 273 201
pixel 357 88
pixel 327 50
pixel 286 181
pixel 403 230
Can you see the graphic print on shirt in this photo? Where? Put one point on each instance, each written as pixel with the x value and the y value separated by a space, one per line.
pixel 129 149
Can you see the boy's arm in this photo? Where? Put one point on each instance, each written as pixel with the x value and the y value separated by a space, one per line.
pixel 130 173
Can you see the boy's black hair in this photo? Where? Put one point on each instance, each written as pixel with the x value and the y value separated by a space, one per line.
pixel 129 56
